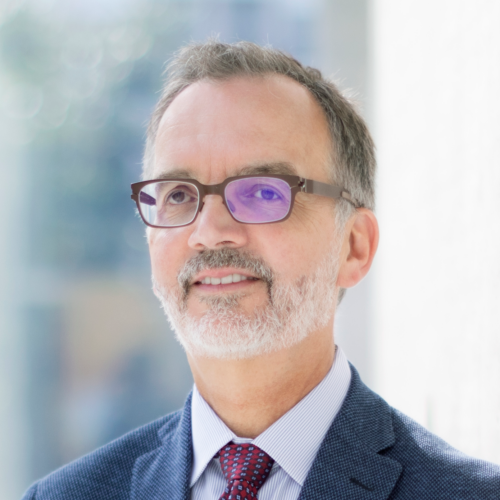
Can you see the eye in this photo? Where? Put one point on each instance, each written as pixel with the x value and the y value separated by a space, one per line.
pixel 178 197
pixel 267 194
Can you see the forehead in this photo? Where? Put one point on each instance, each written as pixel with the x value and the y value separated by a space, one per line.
pixel 214 130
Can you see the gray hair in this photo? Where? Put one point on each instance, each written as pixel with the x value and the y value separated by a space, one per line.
pixel 352 146
pixel 352 156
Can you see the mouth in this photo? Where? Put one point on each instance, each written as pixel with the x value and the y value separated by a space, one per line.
pixel 223 279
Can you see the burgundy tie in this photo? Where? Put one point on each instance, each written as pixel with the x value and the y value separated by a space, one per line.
pixel 245 467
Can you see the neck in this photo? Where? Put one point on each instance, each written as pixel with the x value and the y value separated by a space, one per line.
pixel 249 395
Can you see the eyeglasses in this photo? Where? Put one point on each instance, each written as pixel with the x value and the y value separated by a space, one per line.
pixel 250 199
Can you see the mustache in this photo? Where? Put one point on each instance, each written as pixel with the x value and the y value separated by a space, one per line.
pixel 225 257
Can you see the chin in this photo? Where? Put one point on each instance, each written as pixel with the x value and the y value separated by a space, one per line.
pixel 232 327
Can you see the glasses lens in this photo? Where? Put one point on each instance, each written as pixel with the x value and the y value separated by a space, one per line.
pixel 255 200
pixel 169 203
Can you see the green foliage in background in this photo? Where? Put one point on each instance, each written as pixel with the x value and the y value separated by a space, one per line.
pixel 77 89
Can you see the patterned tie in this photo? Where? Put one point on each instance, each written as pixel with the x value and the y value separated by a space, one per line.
pixel 245 468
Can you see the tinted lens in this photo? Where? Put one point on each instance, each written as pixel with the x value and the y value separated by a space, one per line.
pixel 258 199
pixel 169 203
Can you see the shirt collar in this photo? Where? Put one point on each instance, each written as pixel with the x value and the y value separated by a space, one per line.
pixel 292 441
pixel 209 432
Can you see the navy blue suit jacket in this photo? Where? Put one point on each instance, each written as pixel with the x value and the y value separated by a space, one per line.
pixel 371 452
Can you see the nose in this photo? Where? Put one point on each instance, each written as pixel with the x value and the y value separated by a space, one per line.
pixel 215 228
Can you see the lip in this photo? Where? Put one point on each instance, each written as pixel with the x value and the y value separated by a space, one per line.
pixel 220 273
pixel 228 287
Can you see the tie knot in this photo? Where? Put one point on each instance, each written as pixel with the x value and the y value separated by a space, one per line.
pixel 245 467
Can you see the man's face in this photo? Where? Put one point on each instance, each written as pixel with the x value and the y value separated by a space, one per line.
pixel 212 131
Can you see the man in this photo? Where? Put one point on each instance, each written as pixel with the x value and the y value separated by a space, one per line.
pixel 258 196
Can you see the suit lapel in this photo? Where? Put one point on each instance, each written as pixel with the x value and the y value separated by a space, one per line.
pixel 164 473
pixel 348 464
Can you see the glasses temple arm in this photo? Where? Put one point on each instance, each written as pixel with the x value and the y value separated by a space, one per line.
pixel 323 189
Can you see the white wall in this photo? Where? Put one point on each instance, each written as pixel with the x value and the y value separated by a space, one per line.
pixel 436 93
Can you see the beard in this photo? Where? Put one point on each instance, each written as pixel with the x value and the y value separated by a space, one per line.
pixel 293 309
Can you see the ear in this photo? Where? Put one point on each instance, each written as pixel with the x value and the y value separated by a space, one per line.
pixel 358 248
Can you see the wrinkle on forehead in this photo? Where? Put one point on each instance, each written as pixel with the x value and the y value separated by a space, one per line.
pixel 278 168
pixel 242 126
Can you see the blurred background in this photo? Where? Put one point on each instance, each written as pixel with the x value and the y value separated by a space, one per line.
pixel 85 352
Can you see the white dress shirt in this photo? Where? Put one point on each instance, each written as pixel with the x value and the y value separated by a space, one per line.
pixel 292 441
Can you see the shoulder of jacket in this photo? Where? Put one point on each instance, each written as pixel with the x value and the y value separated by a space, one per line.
pixel 106 472
pixel 432 465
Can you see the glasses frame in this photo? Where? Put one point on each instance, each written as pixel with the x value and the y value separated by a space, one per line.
pixel 297 185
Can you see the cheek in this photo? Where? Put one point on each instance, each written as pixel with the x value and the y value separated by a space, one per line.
pixel 297 245
pixel 290 251
pixel 167 249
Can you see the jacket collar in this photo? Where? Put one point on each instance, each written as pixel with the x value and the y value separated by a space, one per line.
pixel 348 464
pixel 165 471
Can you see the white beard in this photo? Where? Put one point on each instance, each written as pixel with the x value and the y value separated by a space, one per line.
pixel 292 312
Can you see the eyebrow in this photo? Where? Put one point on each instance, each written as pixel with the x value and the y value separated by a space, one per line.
pixel 276 168
pixel 178 173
